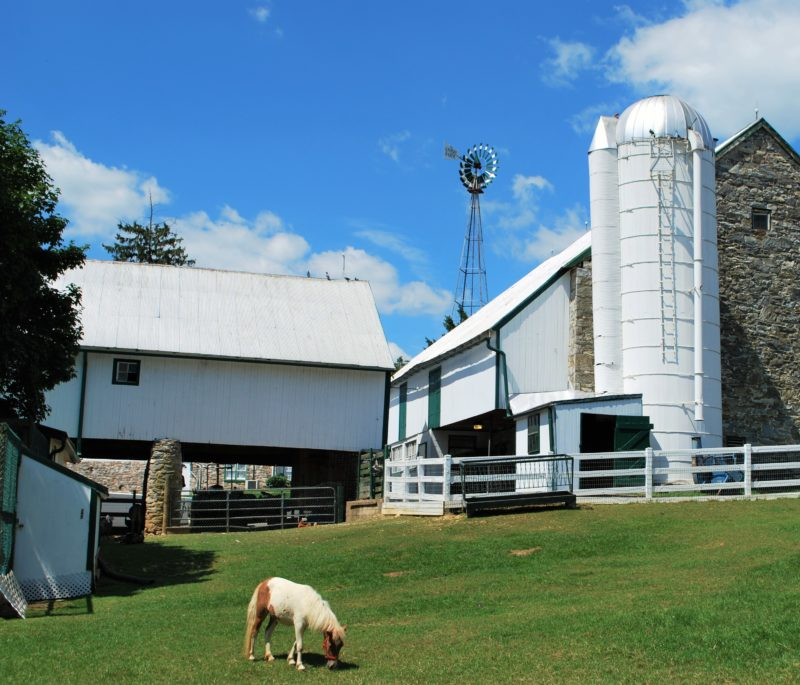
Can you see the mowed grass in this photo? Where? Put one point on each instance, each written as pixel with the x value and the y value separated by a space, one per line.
pixel 658 593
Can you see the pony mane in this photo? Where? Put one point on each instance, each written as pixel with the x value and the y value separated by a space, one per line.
pixel 321 617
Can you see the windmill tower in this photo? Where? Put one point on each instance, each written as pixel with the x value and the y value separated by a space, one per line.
pixel 477 169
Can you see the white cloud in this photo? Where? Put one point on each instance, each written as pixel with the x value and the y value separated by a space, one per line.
pixel 723 59
pixel 586 120
pixel 390 145
pixel 231 242
pixel 522 212
pixel 391 296
pixel 260 14
pixel 96 197
pixel 546 241
pixel 570 59
pixel 395 243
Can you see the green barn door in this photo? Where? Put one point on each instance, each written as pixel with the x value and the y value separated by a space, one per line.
pixel 401 414
pixel 631 433
pixel 435 398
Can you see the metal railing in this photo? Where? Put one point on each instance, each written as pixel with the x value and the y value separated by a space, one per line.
pixel 236 510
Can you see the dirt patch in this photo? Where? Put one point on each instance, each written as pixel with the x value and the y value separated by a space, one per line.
pixel 525 552
pixel 394 574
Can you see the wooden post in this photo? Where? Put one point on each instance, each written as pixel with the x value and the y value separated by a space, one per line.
pixel 748 470
pixel 648 473
pixel 446 476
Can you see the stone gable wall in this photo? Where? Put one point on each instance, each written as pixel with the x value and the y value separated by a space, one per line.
pixel 580 359
pixel 759 292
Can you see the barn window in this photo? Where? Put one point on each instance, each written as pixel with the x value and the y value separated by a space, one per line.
pixel 534 442
pixel 126 372
pixel 235 473
pixel 760 219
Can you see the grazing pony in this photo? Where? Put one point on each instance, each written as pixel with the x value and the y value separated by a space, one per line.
pixel 292 604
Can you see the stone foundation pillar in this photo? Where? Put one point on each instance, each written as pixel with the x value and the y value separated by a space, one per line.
pixel 163 484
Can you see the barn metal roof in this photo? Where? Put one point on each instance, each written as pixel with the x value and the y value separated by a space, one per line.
pixel 187 311
pixel 499 310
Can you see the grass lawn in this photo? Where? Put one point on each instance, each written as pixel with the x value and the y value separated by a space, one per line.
pixel 698 592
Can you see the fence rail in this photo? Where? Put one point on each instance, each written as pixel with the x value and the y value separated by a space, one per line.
pixel 648 474
pixel 235 510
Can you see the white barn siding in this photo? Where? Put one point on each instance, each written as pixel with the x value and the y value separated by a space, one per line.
pixel 536 342
pixel 468 384
pixel 568 418
pixel 467 389
pixel 233 403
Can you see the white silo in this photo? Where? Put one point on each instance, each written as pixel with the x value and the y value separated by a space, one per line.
pixel 604 209
pixel 668 284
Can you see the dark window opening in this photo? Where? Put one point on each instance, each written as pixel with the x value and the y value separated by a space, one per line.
pixel 760 219
pixel 534 433
pixel 126 372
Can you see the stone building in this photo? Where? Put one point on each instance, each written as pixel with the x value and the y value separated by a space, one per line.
pixel 758 222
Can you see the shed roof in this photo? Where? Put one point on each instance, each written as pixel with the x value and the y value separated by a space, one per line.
pixel 188 311
pixel 495 313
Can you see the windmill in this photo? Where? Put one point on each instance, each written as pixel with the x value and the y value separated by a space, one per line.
pixel 477 169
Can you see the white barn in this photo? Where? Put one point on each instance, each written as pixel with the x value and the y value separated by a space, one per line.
pixel 514 378
pixel 240 367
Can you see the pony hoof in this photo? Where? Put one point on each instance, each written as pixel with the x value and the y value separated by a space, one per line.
pixel 291 662
pixel 300 667
pixel 270 658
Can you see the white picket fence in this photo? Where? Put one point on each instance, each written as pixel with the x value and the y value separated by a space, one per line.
pixel 431 486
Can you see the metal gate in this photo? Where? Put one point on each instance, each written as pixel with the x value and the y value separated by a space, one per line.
pixel 213 510
pixel 507 482
pixel 10 448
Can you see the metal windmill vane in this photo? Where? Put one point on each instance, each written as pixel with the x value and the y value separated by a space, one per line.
pixel 477 169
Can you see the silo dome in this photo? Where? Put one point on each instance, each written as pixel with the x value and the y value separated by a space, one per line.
pixel 662 116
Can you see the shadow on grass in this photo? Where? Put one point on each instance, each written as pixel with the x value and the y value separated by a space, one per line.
pixel 524 509
pixel 310 660
pixel 138 567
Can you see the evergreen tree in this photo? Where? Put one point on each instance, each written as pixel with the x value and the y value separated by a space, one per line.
pixel 151 244
pixel 39 325
pixel 449 324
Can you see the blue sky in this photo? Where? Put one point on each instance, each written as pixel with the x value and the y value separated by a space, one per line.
pixel 307 135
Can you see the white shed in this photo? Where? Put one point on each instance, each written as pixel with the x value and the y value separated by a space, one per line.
pixel 51 524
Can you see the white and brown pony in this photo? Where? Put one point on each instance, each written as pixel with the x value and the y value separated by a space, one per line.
pixel 295 605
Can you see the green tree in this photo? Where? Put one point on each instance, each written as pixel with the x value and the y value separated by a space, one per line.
pixel 39 325
pixel 449 324
pixel 152 244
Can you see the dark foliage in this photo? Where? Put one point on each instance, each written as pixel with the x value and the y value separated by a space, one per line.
pixel 39 325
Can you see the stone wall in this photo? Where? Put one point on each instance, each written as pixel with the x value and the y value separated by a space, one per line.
pixel 580 359
pixel 759 290
pixel 118 475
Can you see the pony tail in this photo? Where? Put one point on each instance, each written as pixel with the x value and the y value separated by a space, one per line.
pixel 252 622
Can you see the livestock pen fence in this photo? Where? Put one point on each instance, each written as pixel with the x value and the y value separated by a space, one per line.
pixel 422 485
pixel 218 510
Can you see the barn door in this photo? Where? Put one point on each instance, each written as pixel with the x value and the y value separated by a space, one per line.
pixel 631 433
